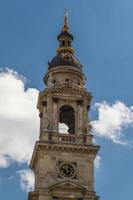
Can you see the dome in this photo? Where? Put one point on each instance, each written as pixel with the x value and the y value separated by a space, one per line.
pixel 65 59
pixel 66 34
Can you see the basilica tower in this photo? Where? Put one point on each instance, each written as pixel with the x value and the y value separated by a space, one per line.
pixel 63 157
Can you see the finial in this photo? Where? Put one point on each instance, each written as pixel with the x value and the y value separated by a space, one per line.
pixel 65 14
pixel 65 37
pixel 65 28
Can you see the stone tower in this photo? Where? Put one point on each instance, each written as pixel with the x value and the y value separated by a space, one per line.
pixel 63 157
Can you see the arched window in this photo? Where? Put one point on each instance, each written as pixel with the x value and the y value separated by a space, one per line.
pixel 67 120
pixel 63 42
pixel 68 43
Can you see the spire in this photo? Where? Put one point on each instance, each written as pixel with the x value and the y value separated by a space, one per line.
pixel 65 37
pixel 65 27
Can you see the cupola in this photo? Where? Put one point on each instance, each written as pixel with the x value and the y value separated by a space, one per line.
pixel 65 52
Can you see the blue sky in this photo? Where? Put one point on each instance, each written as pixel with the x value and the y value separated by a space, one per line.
pixel 103 42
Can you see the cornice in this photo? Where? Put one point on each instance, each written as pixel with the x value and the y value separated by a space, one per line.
pixel 75 92
pixel 62 147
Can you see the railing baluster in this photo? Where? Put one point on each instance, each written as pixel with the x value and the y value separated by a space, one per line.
pixel 66 138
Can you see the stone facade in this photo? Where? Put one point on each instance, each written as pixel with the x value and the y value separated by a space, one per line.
pixel 63 162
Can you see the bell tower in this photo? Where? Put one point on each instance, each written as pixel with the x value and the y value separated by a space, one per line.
pixel 63 157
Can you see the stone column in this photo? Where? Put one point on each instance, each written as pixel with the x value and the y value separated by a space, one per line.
pixel 92 174
pixel 85 115
pixel 80 103
pixel 50 112
pixel 41 118
pixel 44 121
pixel 55 114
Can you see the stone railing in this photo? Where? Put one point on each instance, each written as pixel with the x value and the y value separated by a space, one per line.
pixel 66 138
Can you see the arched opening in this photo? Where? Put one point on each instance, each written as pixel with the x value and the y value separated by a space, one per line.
pixel 67 119
pixel 63 42
pixel 68 43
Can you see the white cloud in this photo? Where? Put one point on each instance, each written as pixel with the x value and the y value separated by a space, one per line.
pixel 63 128
pixel 26 180
pixel 112 120
pixel 19 121
pixel 97 162
pixel 4 161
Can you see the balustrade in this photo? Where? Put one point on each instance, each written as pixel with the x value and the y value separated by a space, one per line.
pixel 67 138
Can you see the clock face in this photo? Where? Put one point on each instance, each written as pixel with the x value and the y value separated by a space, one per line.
pixel 66 170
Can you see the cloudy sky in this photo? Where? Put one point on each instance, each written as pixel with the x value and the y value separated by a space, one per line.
pixel 103 32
